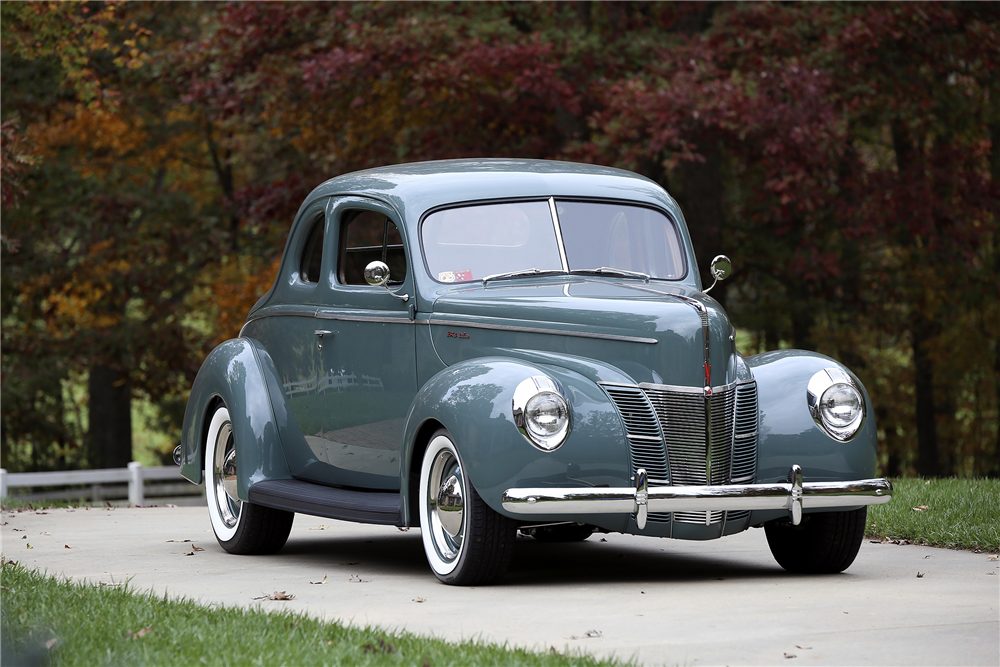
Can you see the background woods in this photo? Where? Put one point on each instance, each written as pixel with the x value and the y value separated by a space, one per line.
pixel 844 155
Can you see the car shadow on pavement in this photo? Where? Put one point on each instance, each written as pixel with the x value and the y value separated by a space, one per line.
pixel 538 563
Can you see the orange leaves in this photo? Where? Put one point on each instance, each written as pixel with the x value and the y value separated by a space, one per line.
pixel 235 287
pixel 102 139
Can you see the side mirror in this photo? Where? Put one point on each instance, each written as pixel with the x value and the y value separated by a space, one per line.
pixel 721 267
pixel 377 275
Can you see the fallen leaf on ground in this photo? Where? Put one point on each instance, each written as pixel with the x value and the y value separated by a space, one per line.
pixel 589 634
pixel 804 648
pixel 919 508
pixel 113 584
pixel 24 537
pixel 19 530
pixel 991 557
pixel 45 532
pixel 319 582
pixel 992 573
pixel 319 528
pixel 30 547
pixel 356 579
pixel 194 548
pixel 603 540
pixel 180 540
pixel 276 596
pixel 790 655
pixel 41 512
pixel 403 529
pixel 419 600
pixel 140 633
pixel 927 556
pixel 920 575
pixel 52 642
pixel 66 546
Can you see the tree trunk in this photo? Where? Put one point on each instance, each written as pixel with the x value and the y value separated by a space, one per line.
pixel 109 439
pixel 928 457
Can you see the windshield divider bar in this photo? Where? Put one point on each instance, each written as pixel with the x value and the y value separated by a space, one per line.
pixel 559 237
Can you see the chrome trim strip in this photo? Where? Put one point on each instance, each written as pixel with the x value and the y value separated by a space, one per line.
pixel 538 330
pixel 677 388
pixel 793 497
pixel 363 318
pixel 559 237
pixel 328 315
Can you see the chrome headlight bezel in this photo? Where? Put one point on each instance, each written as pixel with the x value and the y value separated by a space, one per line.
pixel 818 395
pixel 534 390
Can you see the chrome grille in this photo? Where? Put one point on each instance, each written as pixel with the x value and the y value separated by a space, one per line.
pixel 643 432
pixel 727 455
pixel 745 435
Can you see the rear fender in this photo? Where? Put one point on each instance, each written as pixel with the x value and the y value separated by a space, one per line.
pixel 473 400
pixel 234 375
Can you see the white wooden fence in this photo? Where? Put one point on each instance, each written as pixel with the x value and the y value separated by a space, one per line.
pixel 135 475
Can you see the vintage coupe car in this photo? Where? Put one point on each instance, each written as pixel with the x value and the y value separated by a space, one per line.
pixel 477 347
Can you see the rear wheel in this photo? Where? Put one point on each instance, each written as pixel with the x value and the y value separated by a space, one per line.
pixel 824 543
pixel 465 541
pixel 240 527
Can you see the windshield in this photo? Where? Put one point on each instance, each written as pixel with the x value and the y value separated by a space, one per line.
pixel 470 243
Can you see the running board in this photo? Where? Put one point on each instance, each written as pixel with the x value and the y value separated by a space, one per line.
pixel 294 495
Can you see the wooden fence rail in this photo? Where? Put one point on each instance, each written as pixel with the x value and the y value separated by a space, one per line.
pixel 135 475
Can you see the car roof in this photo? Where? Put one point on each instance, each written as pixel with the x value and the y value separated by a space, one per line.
pixel 414 188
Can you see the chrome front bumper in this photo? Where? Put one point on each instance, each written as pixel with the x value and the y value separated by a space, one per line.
pixel 793 496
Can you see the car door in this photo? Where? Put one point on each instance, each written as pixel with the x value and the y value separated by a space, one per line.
pixel 364 339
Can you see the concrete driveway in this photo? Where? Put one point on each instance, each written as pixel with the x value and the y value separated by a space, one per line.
pixel 657 601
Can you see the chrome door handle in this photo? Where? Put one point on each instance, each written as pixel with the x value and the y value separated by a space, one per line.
pixel 321 333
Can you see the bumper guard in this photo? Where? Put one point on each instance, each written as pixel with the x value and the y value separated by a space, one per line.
pixel 793 496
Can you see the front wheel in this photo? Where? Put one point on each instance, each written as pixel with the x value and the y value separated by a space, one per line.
pixel 466 542
pixel 824 543
pixel 240 527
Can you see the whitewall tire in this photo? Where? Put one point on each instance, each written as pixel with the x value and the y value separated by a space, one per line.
pixel 465 541
pixel 241 527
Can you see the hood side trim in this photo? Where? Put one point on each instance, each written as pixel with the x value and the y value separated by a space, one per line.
pixel 540 330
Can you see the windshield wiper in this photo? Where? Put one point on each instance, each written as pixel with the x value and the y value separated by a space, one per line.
pixel 523 272
pixel 608 271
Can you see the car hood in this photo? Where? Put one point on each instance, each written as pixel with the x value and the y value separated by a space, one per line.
pixel 622 330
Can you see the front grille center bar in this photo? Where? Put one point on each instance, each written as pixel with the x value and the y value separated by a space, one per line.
pixel 793 496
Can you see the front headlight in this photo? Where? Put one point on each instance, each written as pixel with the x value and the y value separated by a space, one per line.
pixel 540 412
pixel 835 403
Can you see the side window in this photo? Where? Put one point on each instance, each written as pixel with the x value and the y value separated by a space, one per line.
pixel 365 237
pixel 312 254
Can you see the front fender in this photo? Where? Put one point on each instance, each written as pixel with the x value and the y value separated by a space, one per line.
pixel 233 374
pixel 787 433
pixel 473 398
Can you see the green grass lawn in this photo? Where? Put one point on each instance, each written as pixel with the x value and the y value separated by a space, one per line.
pixel 64 623
pixel 955 513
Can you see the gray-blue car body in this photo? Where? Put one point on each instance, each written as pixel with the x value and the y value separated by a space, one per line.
pixel 477 347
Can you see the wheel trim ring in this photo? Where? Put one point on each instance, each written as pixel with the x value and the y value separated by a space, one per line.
pixel 448 547
pixel 225 452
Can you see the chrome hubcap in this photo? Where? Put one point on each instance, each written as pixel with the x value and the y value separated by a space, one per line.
pixel 451 506
pixel 224 467
pixel 446 502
